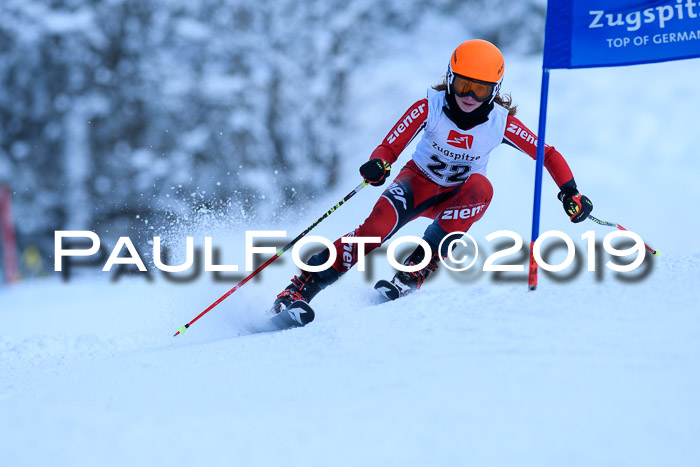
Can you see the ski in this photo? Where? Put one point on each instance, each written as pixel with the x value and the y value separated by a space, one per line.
pixel 387 289
pixel 297 314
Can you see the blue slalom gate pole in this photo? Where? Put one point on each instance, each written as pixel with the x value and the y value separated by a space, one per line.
pixel 532 277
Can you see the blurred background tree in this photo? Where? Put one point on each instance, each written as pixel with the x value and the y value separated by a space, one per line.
pixel 118 110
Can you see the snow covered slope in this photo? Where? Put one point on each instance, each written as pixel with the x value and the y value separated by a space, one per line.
pixel 582 374
pixel 468 371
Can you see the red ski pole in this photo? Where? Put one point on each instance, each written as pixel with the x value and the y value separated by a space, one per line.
pixel 182 329
pixel 612 224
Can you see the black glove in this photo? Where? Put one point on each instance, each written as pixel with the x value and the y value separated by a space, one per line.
pixel 375 171
pixel 576 205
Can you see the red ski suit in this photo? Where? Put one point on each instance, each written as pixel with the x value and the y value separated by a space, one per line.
pixel 413 193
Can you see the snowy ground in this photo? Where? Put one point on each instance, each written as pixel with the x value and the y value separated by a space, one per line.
pixel 583 374
pixel 468 371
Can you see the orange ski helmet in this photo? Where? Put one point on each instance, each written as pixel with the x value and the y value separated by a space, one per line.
pixel 476 68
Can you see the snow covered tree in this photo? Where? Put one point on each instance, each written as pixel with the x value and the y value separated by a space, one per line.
pixel 111 109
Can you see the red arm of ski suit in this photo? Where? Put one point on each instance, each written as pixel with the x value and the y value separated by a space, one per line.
pixel 408 126
pixel 520 137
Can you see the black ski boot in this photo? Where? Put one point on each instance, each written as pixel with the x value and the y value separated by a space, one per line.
pixel 303 287
pixel 405 283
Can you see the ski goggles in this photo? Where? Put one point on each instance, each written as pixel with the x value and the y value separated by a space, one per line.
pixel 479 90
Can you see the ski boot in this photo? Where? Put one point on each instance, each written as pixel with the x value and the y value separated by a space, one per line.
pixel 303 287
pixel 405 283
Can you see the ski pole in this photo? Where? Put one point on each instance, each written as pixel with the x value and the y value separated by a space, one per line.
pixel 612 224
pixel 182 329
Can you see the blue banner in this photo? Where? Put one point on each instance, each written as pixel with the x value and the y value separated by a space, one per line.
pixel 596 33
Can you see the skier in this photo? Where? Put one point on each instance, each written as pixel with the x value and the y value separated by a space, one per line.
pixel 463 119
